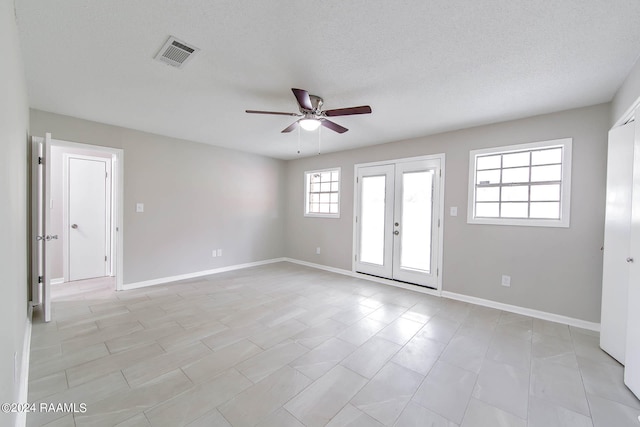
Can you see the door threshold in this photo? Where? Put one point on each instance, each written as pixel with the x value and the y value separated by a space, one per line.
pixel 399 281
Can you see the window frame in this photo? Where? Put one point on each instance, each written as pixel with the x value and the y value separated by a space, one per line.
pixel 307 192
pixel 565 184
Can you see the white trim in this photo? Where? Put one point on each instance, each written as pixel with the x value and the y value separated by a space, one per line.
pixel 23 384
pixel 565 201
pixel 354 241
pixel 162 280
pixel 628 115
pixel 306 194
pixel 117 162
pixel 58 281
pixel 538 314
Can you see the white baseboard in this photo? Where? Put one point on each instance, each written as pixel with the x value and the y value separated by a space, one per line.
pixel 58 281
pixel 23 383
pixel 414 288
pixel 162 280
pixel 538 314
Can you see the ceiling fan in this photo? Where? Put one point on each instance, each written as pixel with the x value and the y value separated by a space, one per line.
pixel 311 114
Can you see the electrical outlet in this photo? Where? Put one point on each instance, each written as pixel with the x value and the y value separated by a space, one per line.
pixel 214 253
pixel 318 250
pixel 506 281
pixel 139 207
pixel 219 252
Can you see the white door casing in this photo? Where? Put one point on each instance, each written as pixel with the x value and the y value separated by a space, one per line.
pixel 87 219
pixel 397 233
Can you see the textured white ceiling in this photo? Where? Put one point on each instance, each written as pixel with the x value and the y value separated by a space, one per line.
pixel 423 66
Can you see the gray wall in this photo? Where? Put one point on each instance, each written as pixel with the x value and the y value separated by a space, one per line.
pixel 197 198
pixel 14 125
pixel 627 94
pixel 557 270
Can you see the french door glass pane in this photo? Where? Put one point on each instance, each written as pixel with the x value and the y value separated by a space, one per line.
pixel 415 248
pixel 372 227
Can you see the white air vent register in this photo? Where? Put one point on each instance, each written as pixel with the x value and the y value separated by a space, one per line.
pixel 175 52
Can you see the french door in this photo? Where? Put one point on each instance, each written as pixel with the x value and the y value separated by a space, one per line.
pixel 398 220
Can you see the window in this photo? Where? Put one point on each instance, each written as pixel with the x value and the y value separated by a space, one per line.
pixel 527 184
pixel 322 193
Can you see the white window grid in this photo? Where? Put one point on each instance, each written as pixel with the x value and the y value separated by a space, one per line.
pixel 498 192
pixel 530 165
pixel 322 195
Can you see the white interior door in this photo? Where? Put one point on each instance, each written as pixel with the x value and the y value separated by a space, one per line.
pixel 48 229
pixel 37 220
pixel 87 217
pixel 632 355
pixel 397 221
pixel 617 228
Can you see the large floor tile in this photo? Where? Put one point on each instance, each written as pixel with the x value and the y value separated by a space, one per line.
pixel 198 400
pixel 321 359
pixel 323 399
pixel 480 414
pixel 386 395
pixel 371 356
pixel 504 386
pixel 560 384
pixel 446 391
pixel 264 398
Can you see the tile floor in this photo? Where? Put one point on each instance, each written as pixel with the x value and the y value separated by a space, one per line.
pixel 284 345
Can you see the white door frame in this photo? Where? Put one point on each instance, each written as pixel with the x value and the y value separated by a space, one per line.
pixel 440 214
pixel 117 205
pixel 66 257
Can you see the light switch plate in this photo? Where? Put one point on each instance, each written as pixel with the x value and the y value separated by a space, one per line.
pixel 506 281
pixel 454 211
pixel 139 207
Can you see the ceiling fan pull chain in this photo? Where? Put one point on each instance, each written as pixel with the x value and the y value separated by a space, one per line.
pixel 298 139
pixel 319 138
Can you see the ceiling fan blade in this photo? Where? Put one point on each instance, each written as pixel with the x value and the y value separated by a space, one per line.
pixel 333 126
pixel 271 112
pixel 291 127
pixel 303 98
pixel 363 109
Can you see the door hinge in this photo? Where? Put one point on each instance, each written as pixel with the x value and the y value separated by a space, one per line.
pixel 39 160
pixel 437 272
pixel 39 279
pixel 105 257
pixel 357 180
pixel 106 175
pixel 438 222
pixel 356 218
pixel 440 173
pixel 356 257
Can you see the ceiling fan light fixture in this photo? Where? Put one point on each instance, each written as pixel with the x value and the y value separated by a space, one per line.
pixel 309 124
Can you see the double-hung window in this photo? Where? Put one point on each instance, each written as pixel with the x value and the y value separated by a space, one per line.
pixel 322 193
pixel 526 184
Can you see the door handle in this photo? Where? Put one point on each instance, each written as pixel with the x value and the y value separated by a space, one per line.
pixel 396 232
pixel 74 226
pixel 49 237
pixel 629 259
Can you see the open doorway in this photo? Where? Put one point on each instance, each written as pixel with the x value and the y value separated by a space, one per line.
pixel 78 198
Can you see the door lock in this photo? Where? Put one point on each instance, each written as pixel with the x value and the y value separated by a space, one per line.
pixel 49 237
pixel 629 259
pixel 396 232
pixel 74 226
